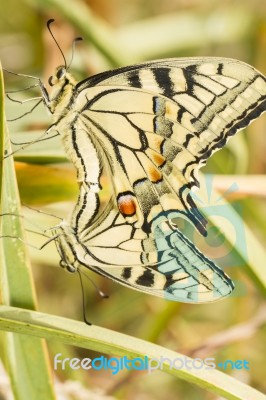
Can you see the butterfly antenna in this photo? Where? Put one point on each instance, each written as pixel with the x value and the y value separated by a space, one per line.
pixel 83 299
pixel 73 50
pixel 56 42
pixel 103 295
pixel 98 290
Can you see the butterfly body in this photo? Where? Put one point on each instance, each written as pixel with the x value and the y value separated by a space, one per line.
pixel 148 128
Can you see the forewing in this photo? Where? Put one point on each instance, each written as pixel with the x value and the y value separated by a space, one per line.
pixel 159 122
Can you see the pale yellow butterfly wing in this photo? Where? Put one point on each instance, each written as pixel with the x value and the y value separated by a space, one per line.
pixel 163 263
pixel 149 128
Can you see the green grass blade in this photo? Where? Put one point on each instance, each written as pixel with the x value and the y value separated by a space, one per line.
pixel 2 94
pixel 120 345
pixel 25 358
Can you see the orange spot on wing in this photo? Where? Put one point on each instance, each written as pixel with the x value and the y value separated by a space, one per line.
pixel 126 205
pixel 154 175
pixel 157 141
pixel 158 159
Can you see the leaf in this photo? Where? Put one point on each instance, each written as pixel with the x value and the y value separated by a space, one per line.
pixel 117 344
pixel 2 95
pixel 25 357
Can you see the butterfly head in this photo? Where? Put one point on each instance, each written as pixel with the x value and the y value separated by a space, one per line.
pixel 59 76
pixel 61 81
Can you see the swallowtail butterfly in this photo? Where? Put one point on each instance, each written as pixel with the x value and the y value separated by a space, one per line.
pixel 148 128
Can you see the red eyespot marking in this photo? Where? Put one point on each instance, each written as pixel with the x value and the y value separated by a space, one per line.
pixel 126 204
pixel 154 175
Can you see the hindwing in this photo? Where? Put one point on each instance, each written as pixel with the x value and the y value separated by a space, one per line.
pixel 163 262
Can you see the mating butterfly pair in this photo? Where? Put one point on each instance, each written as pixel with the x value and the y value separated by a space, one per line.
pixel 148 128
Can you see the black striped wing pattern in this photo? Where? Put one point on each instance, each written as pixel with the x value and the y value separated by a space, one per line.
pixel 149 128
pixel 163 262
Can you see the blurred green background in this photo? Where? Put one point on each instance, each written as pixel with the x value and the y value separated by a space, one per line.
pixel 118 33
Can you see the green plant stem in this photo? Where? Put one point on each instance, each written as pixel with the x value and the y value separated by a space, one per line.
pixel 118 344
pixel 2 127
